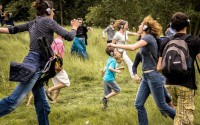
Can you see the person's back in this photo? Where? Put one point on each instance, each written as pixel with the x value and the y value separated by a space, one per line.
pixel 182 89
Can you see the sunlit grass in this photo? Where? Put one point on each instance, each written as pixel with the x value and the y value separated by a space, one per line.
pixel 80 103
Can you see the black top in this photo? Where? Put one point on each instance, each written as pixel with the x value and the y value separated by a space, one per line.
pixel 138 59
pixel 194 49
pixel 82 33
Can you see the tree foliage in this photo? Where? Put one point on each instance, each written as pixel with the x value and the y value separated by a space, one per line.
pixel 99 12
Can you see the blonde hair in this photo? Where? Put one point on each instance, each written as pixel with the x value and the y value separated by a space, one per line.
pixel 154 28
pixel 119 23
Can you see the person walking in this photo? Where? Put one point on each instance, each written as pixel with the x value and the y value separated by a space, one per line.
pixel 152 80
pixel 42 26
pixel 80 41
pixel 182 87
pixel 110 31
pixel 121 37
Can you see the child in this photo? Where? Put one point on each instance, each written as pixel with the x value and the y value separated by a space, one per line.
pixel 109 76
pixel 61 80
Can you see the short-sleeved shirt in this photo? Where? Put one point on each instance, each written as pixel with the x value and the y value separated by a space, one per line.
pixel 194 50
pixel 111 32
pixel 121 39
pixel 58 46
pixel 148 52
pixel 109 76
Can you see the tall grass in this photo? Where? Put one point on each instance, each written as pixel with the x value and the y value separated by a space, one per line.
pixel 80 103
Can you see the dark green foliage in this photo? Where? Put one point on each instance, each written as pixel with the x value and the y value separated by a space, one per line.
pixel 99 12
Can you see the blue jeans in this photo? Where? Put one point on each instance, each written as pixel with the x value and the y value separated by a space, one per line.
pixel 10 103
pixel 79 47
pixel 153 83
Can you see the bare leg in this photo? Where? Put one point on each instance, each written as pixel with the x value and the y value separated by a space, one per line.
pixel 55 96
pixel 30 99
pixel 56 90
pixel 111 94
pixel 56 87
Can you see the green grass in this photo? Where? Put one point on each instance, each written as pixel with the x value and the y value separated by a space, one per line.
pixel 80 103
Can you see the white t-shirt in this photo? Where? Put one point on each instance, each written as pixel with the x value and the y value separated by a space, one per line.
pixel 121 38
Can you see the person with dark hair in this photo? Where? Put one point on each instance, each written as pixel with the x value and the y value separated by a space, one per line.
pixel 182 88
pixel 42 26
pixel 111 88
pixel 80 41
pixel 152 80
pixel 110 31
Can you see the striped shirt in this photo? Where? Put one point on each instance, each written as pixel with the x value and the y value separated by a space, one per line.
pixel 42 27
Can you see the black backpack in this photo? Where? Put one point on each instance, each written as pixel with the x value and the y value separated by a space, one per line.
pixel 176 60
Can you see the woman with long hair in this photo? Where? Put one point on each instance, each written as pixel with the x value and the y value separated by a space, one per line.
pixel 152 80
pixel 121 37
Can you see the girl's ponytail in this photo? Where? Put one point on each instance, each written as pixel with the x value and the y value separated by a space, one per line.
pixel 37 3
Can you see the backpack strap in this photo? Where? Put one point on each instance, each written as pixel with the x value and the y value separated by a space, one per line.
pixel 197 65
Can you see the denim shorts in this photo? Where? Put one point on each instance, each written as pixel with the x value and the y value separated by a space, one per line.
pixel 109 86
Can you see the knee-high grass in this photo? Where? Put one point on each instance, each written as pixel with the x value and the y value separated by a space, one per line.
pixel 80 103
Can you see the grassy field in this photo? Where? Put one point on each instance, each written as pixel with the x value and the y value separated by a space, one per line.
pixel 80 104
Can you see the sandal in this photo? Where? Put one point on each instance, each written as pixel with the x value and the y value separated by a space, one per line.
pixel 48 95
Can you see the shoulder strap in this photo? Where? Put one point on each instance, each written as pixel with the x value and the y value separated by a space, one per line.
pixel 197 65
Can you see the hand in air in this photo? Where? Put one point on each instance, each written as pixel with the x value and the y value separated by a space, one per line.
pixel 75 24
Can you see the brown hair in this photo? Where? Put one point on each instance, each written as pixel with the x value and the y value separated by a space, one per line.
pixel 41 6
pixel 179 21
pixel 119 24
pixel 110 50
pixel 154 28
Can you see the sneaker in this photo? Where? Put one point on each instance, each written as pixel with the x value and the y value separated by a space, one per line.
pixel 104 101
pixel 48 95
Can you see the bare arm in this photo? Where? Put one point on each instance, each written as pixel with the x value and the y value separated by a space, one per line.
pixel 132 47
pixel 114 70
pixel 159 67
pixel 132 33
pixel 198 56
pixel 103 33
pixel 90 28
pixel 4 30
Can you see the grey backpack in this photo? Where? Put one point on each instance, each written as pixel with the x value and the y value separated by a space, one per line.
pixel 176 60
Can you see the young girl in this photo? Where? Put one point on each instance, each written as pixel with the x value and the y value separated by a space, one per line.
pixel 61 80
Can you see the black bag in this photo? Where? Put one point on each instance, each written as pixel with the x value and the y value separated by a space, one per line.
pixel 20 72
pixel 176 60
pixel 51 58
pixel 45 47
pixel 49 70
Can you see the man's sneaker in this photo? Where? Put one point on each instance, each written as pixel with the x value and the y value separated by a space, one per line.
pixel 104 102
